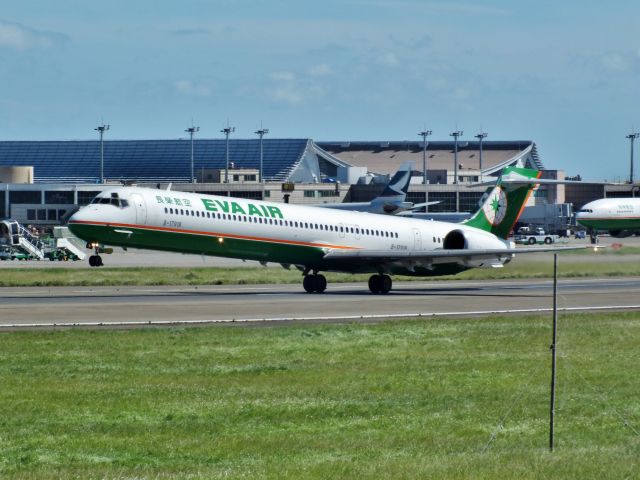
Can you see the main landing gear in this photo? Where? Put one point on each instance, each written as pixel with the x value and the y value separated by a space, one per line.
pixel 314 283
pixel 380 284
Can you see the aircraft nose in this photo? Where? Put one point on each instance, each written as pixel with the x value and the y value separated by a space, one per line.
pixel 77 219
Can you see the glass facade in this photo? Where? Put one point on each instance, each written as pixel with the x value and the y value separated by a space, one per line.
pixel 469 201
pixel 59 197
pixel 25 197
pixel 84 198
pixel 447 201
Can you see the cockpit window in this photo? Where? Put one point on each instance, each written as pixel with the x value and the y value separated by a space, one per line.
pixel 115 200
pixel 586 210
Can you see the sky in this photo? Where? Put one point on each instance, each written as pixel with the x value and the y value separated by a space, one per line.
pixel 563 74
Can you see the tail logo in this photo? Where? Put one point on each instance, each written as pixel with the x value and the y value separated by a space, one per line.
pixel 495 207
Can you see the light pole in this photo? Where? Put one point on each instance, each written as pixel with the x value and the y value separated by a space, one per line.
pixel 261 133
pixel 455 135
pixel 424 134
pixel 481 136
pixel 632 136
pixel 227 130
pixel 101 129
pixel 191 130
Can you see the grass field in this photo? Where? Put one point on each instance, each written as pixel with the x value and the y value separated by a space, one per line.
pixel 570 266
pixel 454 399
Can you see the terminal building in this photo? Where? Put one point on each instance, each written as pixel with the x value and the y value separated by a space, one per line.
pixel 43 182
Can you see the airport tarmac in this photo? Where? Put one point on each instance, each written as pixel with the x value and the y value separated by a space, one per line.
pixel 243 304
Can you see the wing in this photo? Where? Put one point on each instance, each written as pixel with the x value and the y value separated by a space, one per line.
pixel 427 259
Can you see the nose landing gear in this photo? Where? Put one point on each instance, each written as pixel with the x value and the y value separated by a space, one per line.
pixel 380 284
pixel 95 260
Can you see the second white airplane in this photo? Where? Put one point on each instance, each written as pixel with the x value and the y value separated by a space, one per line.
pixel 312 239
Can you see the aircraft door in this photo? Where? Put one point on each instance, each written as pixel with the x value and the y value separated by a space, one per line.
pixel 141 208
pixel 417 239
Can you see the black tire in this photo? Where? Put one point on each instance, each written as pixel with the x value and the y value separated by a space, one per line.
pixel 385 284
pixel 321 283
pixel 92 261
pixel 531 241
pixel 308 283
pixel 548 240
pixel 375 284
pixel 99 261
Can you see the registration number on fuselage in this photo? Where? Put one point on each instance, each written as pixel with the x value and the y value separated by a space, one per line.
pixel 172 223
pixel 397 246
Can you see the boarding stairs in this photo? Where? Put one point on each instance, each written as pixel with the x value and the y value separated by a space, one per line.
pixel 21 239
pixel 64 240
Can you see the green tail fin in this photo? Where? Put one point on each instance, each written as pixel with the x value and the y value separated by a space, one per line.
pixel 505 202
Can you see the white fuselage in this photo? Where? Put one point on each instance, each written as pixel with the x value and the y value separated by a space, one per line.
pixel 268 231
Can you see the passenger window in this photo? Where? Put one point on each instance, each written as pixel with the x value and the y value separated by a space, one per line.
pixel 181 211
pixel 166 210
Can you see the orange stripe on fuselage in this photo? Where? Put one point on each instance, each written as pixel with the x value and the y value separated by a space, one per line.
pixel 214 234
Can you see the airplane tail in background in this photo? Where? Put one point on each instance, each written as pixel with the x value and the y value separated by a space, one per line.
pixel 399 183
pixel 504 203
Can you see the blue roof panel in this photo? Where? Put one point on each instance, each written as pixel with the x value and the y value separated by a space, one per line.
pixel 146 160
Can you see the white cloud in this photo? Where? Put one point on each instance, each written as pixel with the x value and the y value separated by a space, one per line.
pixel 187 87
pixel 320 70
pixel 287 94
pixel 19 37
pixel 283 76
pixel 389 59
pixel 615 61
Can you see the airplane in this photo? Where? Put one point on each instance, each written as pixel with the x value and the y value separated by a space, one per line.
pixel 314 240
pixel 619 216
pixel 392 199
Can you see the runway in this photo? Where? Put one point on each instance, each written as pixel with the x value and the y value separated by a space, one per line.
pixel 66 306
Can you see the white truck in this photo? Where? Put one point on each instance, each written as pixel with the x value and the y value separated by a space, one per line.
pixel 527 236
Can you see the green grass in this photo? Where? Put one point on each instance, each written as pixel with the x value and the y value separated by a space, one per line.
pixel 410 399
pixel 541 268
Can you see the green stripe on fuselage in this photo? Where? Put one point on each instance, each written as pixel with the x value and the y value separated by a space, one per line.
pixel 611 223
pixel 206 244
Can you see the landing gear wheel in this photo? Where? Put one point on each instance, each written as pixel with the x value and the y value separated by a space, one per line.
pixel 321 283
pixel 380 284
pixel 308 283
pixel 314 283
pixel 386 284
pixel 95 261
pixel 375 283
